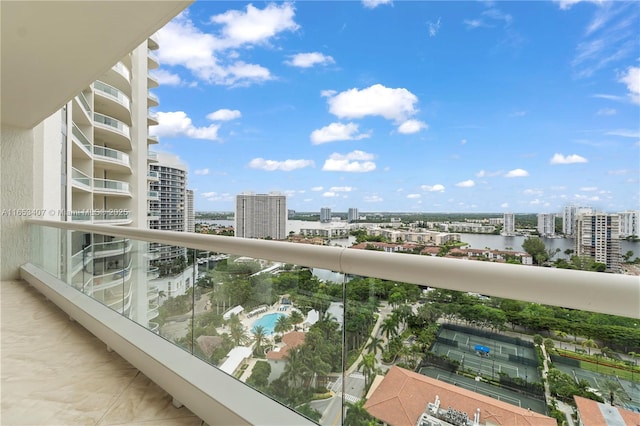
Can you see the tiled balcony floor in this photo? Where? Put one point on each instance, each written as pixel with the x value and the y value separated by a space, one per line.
pixel 54 372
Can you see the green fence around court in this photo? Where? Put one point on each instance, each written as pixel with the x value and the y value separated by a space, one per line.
pixel 489 335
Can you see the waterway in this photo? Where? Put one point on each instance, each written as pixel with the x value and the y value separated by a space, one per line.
pixel 479 241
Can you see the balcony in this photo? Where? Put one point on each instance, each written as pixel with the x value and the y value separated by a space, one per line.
pixel 153 273
pixel 111 187
pixel 152 311
pixel 153 195
pixel 80 181
pixel 112 102
pixel 152 157
pixel 152 175
pixel 82 144
pixel 152 139
pixel 152 81
pixel 410 276
pixel 152 100
pixel 112 217
pixel 152 42
pixel 119 77
pixel 112 159
pixel 112 132
pixel 152 60
pixel 81 109
pixel 152 119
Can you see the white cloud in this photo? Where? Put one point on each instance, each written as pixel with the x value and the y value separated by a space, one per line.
pixel 433 188
pixel 308 60
pixel 589 188
pixel 568 159
pixel 632 79
pixel 177 123
pixel 463 142
pixel 466 184
pixel 284 166
pixel 485 173
pixel 516 173
pixel 201 172
pixel 373 199
pixel 215 196
pixel 472 24
pixel 341 188
pixel 372 4
pixel 566 4
pixel 317 188
pixel 337 132
pixel 413 196
pixel 606 111
pixel 393 104
pixel 536 192
pixel 213 57
pixel 166 78
pixel 625 133
pixel 434 28
pixel 355 161
pixel 504 205
pixel 411 126
pixel 255 26
pixel 330 194
pixel 224 115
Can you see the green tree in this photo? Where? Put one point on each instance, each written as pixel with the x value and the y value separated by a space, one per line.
pixel 283 324
pixel 259 335
pixel 538 339
pixel 535 247
pixel 589 343
pixel 260 374
pixel 548 343
pixel 626 258
pixel 368 367
pixel 375 345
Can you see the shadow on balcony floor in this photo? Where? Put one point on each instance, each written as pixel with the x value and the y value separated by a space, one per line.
pixel 54 372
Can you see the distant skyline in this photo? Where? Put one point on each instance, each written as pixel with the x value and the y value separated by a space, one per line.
pixel 405 106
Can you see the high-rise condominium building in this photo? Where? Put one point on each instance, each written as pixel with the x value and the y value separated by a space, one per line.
pixel 325 214
pixel 261 216
pixel 190 212
pixel 547 224
pixel 509 224
pixel 352 216
pixel 629 223
pixel 597 236
pixel 569 215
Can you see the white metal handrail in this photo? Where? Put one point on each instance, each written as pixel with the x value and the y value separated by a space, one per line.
pixel 597 292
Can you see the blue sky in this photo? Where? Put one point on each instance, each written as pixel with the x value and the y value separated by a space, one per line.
pixel 439 106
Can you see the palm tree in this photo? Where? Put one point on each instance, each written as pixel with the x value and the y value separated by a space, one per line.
pixel 283 324
pixel 357 415
pixel 237 332
pixel 589 343
pixel 259 334
pixel 368 366
pixel 296 317
pixel 389 326
pixel 613 391
pixel 374 345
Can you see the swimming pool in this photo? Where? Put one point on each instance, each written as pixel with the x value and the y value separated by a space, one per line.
pixel 268 322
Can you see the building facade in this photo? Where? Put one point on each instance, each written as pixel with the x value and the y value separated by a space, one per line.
pixel 190 214
pixel 261 216
pixel 547 224
pixel 352 215
pixel 597 237
pixel 509 226
pixel 629 223
pixel 325 214
pixel 569 215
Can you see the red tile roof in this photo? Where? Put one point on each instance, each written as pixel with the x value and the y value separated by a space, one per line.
pixel 592 413
pixel 290 340
pixel 403 395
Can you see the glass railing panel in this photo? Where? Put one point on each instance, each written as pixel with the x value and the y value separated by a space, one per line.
pixel 111 185
pixel 47 249
pixel 111 122
pixel 111 153
pixel 112 92
pixel 84 140
pixel 321 342
pixel 84 102
pixel 80 177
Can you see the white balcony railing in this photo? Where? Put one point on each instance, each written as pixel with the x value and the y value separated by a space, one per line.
pixel 112 93
pixel 111 186
pixel 112 155
pixel 595 292
pixel 111 124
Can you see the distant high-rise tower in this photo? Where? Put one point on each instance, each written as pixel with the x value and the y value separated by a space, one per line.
pixel 352 216
pixel 547 224
pixel 261 216
pixel 325 214
pixel 167 201
pixel 190 214
pixel 509 227
pixel 597 236
pixel 629 223
pixel 569 215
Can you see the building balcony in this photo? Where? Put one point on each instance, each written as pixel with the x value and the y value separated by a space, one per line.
pixel 153 195
pixel 112 132
pixel 152 139
pixel 152 118
pixel 152 100
pixel 152 312
pixel 152 175
pixel 152 81
pixel 153 215
pixel 152 60
pixel 410 277
pixel 113 217
pixel 81 143
pixel 153 273
pixel 82 110
pixel 111 187
pixel 152 42
pixel 111 248
pixel 112 102
pixel 111 159
pixel 80 181
pixel 119 77
pixel 152 157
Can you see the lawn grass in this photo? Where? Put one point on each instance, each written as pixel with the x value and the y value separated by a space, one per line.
pixel 609 371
